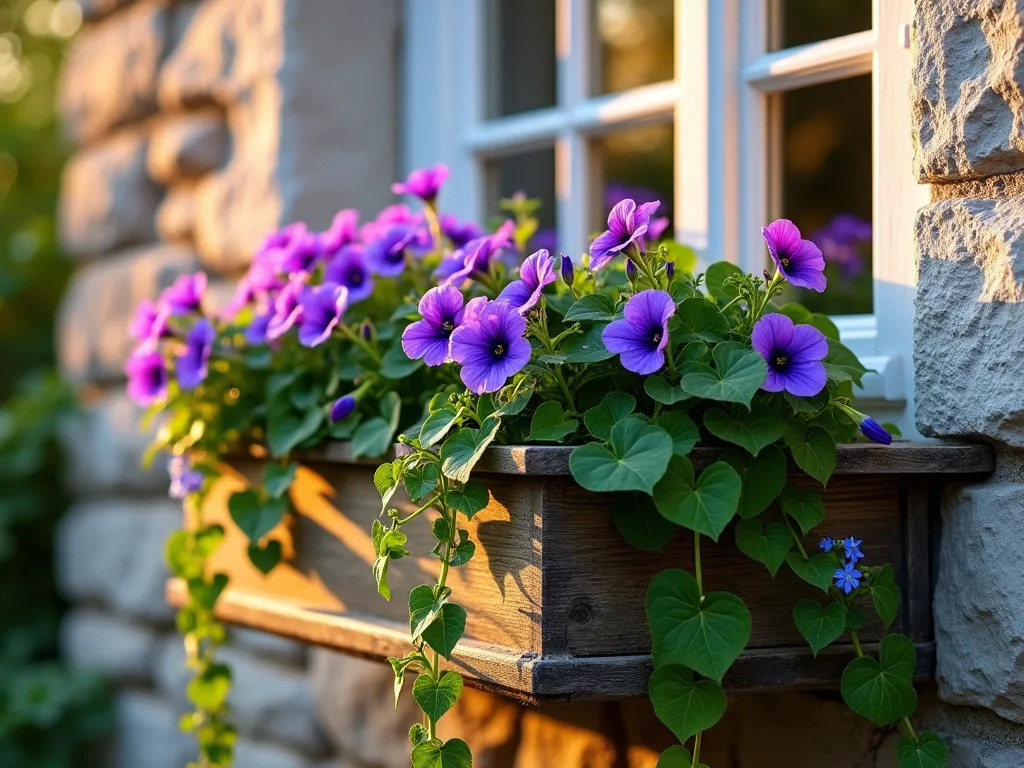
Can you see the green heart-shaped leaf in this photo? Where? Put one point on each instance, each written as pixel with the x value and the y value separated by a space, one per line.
pixel 594 307
pixel 705 635
pixel 634 460
pixel 586 347
pixel 446 630
pixel 463 450
pixel 930 751
pixel 436 698
pixel 286 428
pixel 883 690
pixel 419 481
pixel 817 571
pixel 681 429
pixel 639 522
pixel 764 477
pixel 752 430
pixel 424 608
pixel 697 319
pixel 675 757
pixel 436 426
pixel 814 450
pixel 739 372
pixel 768 546
pixel 686 706
pixel 615 407
pixel 819 626
pixel 372 438
pixel 715 280
pixel 804 506
pixel 841 358
pixel 514 398
pixel 206 592
pixel 396 365
pixel 210 689
pixel 659 390
pixel 277 479
pixel 254 515
pixel 549 423
pixel 469 499
pixel 265 558
pixel 454 753
pixel 705 505
pixel 885 595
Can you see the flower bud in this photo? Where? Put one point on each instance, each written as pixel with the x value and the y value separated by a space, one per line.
pixel 366 330
pixel 342 408
pixel 568 273
pixel 872 430
pixel 630 270
pixel 767 277
pixel 670 270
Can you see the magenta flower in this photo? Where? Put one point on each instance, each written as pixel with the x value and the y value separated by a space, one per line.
pixel 627 224
pixel 301 252
pixel 476 257
pixel 149 321
pixel 184 479
pixel 348 267
pixel 322 308
pixel 794 354
pixel 641 337
pixel 442 310
pixel 287 307
pixel 185 294
pixel 399 213
pixel 492 348
pixel 536 272
pixel 424 183
pixel 458 232
pixel 343 231
pixel 386 254
pixel 192 365
pixel 147 376
pixel 799 261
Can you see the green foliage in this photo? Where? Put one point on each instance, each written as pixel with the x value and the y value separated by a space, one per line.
pixel 687 706
pixel 883 690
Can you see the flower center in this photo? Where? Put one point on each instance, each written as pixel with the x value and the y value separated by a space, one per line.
pixel 656 338
pixel 781 362
pixel 447 326
pixel 499 350
pixel 785 261
pixel 355 277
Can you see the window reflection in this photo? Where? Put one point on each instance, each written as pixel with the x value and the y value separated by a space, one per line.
pixel 532 173
pixel 521 56
pixel 797 22
pixel 635 43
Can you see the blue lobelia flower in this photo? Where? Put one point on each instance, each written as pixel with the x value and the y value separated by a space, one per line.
pixel 827 544
pixel 847 578
pixel 852 547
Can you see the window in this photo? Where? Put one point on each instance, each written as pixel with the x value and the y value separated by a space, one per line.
pixel 731 112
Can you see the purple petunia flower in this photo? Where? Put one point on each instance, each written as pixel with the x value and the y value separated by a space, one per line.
pixel 641 337
pixel 147 376
pixel 536 272
pixel 473 309
pixel 192 363
pixel 185 294
pixel 492 348
pixel 841 241
pixel 656 228
pixel 322 308
pixel 386 254
pixel 399 213
pixel 794 354
pixel 443 311
pixel 459 233
pixel 424 183
pixel 149 322
pixel 872 430
pixel 476 257
pixel 799 261
pixel 544 240
pixel 287 307
pixel 342 408
pixel 627 224
pixel 852 548
pixel 344 230
pixel 256 331
pixel 827 544
pixel 348 267
pixel 301 252
pixel 847 578
pixel 184 479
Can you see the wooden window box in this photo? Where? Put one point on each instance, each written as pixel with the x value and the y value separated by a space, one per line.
pixel 555 596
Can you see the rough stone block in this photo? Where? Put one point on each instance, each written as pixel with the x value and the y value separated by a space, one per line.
pixel 107 199
pixel 92 327
pixel 110 77
pixel 111 552
pixel 255 754
pixel 270 646
pixel 93 10
pixel 969 325
pixel 104 445
pixel 176 216
pixel 148 734
pixel 968 106
pixel 187 145
pixel 118 649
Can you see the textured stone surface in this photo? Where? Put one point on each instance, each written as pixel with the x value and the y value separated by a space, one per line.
pixel 270 646
pixel 93 10
pixel 112 552
pixel 148 735
pixel 187 145
pixel 107 199
pixel 110 78
pixel 255 754
pixel 104 445
pixel 92 327
pixel 968 108
pixel 969 325
pixel 120 650
pixel 976 738
pixel 176 216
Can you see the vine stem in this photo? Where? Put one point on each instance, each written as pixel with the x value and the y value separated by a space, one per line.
pixel 696 750
pixel 565 388
pixel 700 590
pixel 796 538
pixel 435 661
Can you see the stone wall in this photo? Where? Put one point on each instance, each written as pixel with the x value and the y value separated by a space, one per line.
pixel 968 100
pixel 199 126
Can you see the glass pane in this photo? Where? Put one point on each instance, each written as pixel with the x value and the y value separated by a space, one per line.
pixel 533 174
pixel 521 45
pixel 825 184
pixel 635 163
pixel 797 22
pixel 635 43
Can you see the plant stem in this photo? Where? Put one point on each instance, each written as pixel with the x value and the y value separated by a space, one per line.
pixel 565 388
pixel 415 514
pixel 855 639
pixel 696 750
pixel 696 564
pixel 796 538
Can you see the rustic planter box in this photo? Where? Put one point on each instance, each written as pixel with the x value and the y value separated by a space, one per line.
pixel 555 596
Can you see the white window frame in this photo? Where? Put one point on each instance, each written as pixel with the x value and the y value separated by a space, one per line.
pixel 723 81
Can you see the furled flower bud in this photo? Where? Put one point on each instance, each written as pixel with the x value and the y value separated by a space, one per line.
pixel 874 431
pixel 670 270
pixel 568 273
pixel 366 330
pixel 630 270
pixel 342 408
pixel 767 277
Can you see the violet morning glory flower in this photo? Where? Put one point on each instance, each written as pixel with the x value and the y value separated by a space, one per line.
pixel 342 408
pixel 322 308
pixel 424 183
pixel 348 267
pixel 536 272
pixel 386 254
pixel 344 230
pixel 827 544
pixel 847 578
pixel 459 233
pixel 641 337
pixel 794 354
pixel 627 224
pixel 476 256
pixel 256 331
pixel 872 430
pixel 147 376
pixel 492 348
pixel 301 252
pixel 656 228
pixel 287 307
pixel 149 321
pixel 443 311
pixel 852 548
pixel 184 479
pixel 185 294
pixel 192 363
pixel 399 213
pixel 799 261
